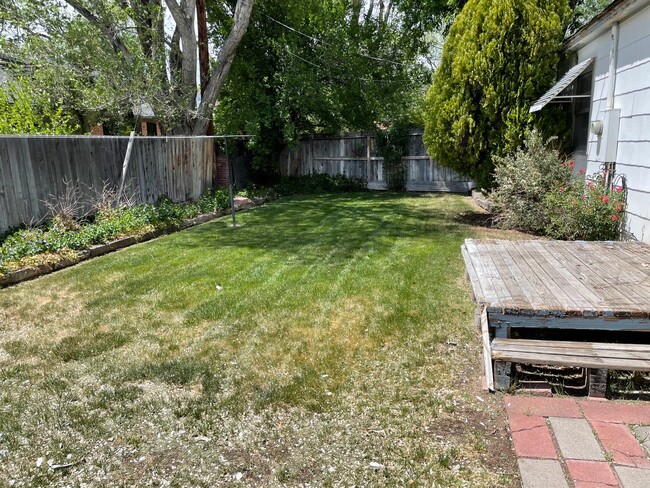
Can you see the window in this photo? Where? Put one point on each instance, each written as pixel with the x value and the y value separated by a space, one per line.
pixel 580 107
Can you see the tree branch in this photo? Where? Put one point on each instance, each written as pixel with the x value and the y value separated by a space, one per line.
pixel 184 18
pixel 108 31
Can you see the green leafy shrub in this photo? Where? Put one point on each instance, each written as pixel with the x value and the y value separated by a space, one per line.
pixel 214 200
pixel 319 183
pixel 538 192
pixel 523 179
pixel 63 234
pixel 585 212
pixel 392 145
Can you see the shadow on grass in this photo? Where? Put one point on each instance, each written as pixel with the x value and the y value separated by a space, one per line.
pixel 476 219
pixel 307 228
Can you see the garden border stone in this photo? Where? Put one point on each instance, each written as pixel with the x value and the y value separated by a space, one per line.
pixel 32 272
pixel 481 200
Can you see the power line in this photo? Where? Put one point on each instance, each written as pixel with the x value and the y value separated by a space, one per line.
pixel 363 80
pixel 320 41
pixel 305 60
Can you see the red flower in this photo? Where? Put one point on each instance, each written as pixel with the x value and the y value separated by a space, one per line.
pixel 618 188
pixel 614 217
pixel 563 163
pixel 589 183
pixel 571 165
pixel 618 208
pixel 561 188
pixel 581 171
pixel 604 199
pixel 584 197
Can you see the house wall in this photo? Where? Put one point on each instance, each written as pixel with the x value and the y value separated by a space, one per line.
pixel 632 97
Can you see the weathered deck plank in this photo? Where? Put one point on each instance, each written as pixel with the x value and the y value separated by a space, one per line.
pixel 583 354
pixel 583 265
pixel 587 298
pixel 607 280
pixel 569 278
pixel 547 287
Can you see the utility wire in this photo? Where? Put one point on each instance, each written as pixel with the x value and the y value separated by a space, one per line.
pixel 364 80
pixel 319 41
pixel 305 60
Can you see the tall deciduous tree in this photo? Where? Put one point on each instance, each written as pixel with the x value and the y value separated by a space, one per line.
pixel 498 58
pixel 25 111
pixel 121 54
pixel 318 66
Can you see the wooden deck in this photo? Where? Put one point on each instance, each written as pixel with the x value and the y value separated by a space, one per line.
pixel 559 285
pixel 578 278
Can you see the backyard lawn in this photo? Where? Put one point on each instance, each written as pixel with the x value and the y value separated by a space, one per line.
pixel 329 340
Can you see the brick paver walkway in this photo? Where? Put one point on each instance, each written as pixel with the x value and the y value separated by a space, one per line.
pixel 564 442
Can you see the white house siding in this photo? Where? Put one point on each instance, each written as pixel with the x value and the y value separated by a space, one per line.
pixel 632 97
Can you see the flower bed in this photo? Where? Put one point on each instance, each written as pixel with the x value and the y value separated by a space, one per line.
pixel 28 253
pixel 540 193
pixel 65 240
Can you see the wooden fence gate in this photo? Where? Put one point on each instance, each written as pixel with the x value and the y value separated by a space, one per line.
pixel 355 155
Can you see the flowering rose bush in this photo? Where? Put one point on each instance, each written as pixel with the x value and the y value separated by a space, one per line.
pixel 590 211
pixel 538 192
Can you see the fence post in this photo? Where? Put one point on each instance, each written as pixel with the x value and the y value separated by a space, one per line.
pixel 368 166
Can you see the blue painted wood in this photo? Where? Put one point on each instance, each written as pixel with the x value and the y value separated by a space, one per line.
pixel 504 321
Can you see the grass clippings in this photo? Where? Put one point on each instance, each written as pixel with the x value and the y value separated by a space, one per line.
pixel 327 341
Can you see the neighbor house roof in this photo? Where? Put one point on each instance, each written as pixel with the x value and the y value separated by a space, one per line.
pixel 617 11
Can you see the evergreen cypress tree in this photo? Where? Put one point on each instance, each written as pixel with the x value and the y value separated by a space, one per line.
pixel 499 57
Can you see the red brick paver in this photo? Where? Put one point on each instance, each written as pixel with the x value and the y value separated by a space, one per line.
pixel 622 413
pixel 531 437
pixel 543 407
pixel 618 441
pixel 607 423
pixel 588 474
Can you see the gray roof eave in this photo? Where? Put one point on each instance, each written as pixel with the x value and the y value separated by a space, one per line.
pixel 617 11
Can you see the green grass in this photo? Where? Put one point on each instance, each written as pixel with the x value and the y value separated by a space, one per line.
pixel 323 334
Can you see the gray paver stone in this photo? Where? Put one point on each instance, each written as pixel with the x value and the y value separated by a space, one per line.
pixel 576 439
pixel 633 477
pixel 643 434
pixel 541 473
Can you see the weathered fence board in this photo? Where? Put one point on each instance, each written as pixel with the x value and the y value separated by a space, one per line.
pixel 355 155
pixel 35 169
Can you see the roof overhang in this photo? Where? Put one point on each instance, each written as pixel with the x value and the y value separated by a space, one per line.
pixel 568 78
pixel 617 11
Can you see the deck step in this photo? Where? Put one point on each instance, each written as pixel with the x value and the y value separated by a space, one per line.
pixel 597 355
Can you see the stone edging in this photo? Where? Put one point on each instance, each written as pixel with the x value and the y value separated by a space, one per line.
pixel 481 201
pixel 24 274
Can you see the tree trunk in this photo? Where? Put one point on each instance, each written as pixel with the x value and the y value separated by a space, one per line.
pixel 204 55
pixel 226 55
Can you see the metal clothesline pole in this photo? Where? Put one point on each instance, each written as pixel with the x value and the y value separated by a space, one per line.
pixel 231 180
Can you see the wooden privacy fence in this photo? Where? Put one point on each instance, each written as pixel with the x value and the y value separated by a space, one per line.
pixel 35 169
pixel 356 155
